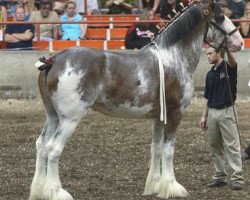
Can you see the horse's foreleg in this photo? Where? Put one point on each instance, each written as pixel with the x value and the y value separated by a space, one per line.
pixel 38 182
pixel 53 189
pixel 169 187
pixel 152 183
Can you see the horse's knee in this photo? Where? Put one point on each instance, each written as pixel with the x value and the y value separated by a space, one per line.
pixel 53 150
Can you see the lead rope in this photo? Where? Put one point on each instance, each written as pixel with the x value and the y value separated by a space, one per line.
pixel 163 114
pixel 236 120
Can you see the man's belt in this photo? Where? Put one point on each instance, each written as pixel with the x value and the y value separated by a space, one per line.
pixel 222 106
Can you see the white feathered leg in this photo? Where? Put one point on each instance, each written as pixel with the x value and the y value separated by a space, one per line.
pixel 169 187
pixel 53 189
pixel 37 186
pixel 152 183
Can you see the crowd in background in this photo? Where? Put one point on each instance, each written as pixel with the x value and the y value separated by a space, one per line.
pixel 66 10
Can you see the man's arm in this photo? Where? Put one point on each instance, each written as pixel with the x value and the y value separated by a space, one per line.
pixel 156 4
pixel 55 32
pixel 231 59
pixel 83 28
pixel 127 6
pixel 9 38
pixel 203 121
pixel 27 35
pixel 4 14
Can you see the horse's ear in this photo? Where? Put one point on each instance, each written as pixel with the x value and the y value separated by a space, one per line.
pixel 218 15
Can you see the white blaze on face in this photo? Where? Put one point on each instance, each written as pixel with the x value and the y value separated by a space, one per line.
pixel 235 41
pixel 68 96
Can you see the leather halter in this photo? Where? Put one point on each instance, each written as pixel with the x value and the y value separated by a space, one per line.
pixel 226 35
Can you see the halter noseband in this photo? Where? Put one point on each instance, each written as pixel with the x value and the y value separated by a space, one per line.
pixel 226 35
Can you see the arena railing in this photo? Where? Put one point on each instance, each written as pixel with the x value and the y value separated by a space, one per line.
pixel 111 24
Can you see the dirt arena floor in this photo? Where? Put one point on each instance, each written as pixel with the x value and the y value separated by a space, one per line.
pixel 107 158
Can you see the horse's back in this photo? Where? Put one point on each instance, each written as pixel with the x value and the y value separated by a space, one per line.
pixel 116 84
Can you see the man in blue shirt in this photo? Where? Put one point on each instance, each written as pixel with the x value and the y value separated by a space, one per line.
pixel 19 36
pixel 218 117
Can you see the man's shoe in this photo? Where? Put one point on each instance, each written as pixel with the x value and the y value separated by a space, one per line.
pixel 246 156
pixel 237 186
pixel 216 183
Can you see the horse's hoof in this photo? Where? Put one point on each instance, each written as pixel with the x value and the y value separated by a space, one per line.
pixel 172 189
pixel 64 195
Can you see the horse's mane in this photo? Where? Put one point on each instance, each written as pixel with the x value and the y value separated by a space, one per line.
pixel 181 26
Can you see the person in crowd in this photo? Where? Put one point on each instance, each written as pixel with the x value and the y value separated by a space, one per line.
pixel 91 6
pixel 237 7
pixel 48 32
pixel 246 155
pixel 19 36
pixel 3 18
pixel 168 5
pixel 224 7
pixel 146 5
pixel 72 31
pixel 3 13
pixel 60 7
pixel 37 4
pixel 119 6
pixel 24 4
pixel 218 117
pixel 141 34
pixel 166 8
pixel 245 31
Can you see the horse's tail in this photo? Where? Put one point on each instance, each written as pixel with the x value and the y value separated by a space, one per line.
pixel 43 87
pixel 44 64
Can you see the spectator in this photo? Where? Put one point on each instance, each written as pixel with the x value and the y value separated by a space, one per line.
pixel 3 18
pixel 218 117
pixel 91 6
pixel 141 34
pixel 13 4
pixel 19 36
pixel 47 31
pixel 72 31
pixel 3 13
pixel 237 7
pixel 37 4
pixel 245 31
pixel 224 7
pixel 146 4
pixel 60 6
pixel 166 8
pixel 24 4
pixel 119 6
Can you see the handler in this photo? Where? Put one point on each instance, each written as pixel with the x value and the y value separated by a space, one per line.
pixel 218 117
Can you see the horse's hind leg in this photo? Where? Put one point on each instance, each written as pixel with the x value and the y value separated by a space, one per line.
pixel 168 186
pixel 67 125
pixel 152 183
pixel 38 182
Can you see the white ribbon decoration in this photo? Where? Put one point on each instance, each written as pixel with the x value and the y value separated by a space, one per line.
pixel 163 114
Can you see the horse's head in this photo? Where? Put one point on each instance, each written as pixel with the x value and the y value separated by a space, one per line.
pixel 221 32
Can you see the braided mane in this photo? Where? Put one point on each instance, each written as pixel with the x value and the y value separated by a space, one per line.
pixel 181 26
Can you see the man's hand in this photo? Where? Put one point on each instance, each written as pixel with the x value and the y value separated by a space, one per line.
pixel 10 38
pixel 203 123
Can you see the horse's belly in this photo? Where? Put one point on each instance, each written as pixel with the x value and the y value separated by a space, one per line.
pixel 126 110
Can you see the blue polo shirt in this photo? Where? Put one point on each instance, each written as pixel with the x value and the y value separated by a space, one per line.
pixel 19 28
pixel 71 31
pixel 216 88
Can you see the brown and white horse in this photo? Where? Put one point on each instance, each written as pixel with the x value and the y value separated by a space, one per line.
pixel 127 86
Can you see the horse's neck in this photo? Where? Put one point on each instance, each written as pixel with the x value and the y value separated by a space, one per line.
pixel 184 53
